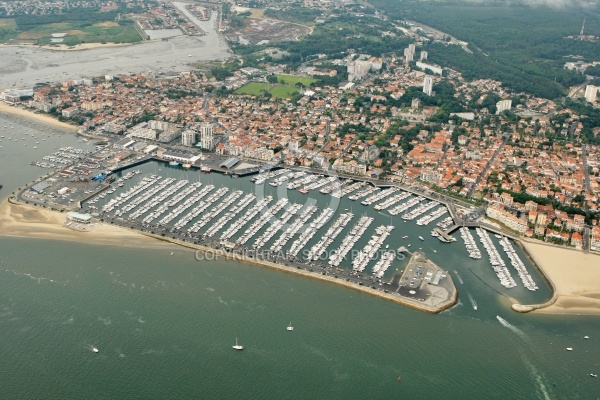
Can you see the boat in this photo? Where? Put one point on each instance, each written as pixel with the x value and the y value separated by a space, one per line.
pixel 95 350
pixel 303 190
pixel 237 346
pixel 172 252
pixel 173 164
pixel 204 168
pixel 186 166
pixel 593 375
pixel 569 349
pixel 585 337
pixel 290 327
pixel 421 237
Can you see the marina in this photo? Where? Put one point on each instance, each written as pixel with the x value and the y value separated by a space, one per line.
pixel 366 254
pixel 413 201
pixel 470 243
pixel 348 244
pixel 300 230
pixel 496 261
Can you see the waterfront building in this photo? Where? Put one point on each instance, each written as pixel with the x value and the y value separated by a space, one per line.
pixel 207 140
pixel 497 212
pixel 349 167
pixel 79 217
pixel 428 85
pixel 188 138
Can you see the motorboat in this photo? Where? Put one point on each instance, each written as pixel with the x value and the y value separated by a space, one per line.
pixel 290 327
pixel 569 349
pixel 95 350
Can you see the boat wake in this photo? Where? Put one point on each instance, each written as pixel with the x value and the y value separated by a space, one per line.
pixel 539 379
pixel 512 327
pixel 473 303
pixel 459 278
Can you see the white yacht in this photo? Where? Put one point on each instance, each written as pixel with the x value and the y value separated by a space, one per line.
pixel 237 346
pixel 569 349
pixel 95 350
pixel 290 327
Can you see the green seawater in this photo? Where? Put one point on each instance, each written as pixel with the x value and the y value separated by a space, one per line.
pixel 165 324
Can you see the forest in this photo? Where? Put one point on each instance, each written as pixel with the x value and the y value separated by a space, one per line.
pixel 524 47
pixel 361 34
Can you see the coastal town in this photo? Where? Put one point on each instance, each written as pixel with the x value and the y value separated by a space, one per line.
pixel 532 185
pixel 240 191
pixel 511 162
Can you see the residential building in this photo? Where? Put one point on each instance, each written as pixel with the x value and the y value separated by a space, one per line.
pixel 188 137
pixel 207 140
pixel 433 68
pixel 428 85
pixel 591 92
pixel 503 105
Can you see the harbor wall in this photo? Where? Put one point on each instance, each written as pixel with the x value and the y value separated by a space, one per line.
pixel 524 308
pixel 313 275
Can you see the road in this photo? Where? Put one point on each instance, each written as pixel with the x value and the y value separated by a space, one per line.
pixel 586 172
pixel 487 166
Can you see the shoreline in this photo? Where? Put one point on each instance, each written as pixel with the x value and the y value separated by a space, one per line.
pixel 575 291
pixel 30 114
pixel 573 275
pixel 64 47
pixel 17 220
pixel 27 221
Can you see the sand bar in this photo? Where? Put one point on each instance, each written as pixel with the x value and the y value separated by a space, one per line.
pixel 42 118
pixel 575 276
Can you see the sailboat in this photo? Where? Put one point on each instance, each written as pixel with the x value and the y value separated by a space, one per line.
pixel 237 346
pixel 290 327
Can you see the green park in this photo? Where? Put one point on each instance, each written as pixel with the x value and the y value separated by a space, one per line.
pixel 278 86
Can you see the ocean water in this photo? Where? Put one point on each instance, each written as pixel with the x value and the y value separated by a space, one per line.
pixel 165 324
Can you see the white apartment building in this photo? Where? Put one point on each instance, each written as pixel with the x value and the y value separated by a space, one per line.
pixel 591 92
pixel 428 85
pixel 503 105
pixel 207 139
pixel 433 68
pixel 188 137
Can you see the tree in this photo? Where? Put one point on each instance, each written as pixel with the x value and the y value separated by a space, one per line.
pixel 272 79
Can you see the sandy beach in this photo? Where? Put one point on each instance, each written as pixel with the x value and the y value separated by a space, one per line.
pixel 28 221
pixel 575 275
pixel 42 118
